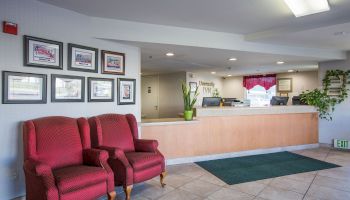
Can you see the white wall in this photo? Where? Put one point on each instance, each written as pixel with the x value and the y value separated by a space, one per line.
pixel 206 77
pixel 45 21
pixel 339 128
pixel 302 81
pixel 233 86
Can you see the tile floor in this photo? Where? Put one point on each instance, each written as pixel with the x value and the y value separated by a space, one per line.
pixel 190 182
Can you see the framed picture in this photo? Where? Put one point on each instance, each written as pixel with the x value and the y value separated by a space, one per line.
pixel 66 88
pixel 284 85
pixel 40 52
pixel 193 86
pixel 82 58
pixel 23 88
pixel 126 91
pixel 113 62
pixel 100 90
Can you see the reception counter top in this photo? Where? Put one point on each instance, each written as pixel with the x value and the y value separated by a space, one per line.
pixel 232 111
pixel 165 121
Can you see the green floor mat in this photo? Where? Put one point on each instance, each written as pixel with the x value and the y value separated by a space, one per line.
pixel 258 167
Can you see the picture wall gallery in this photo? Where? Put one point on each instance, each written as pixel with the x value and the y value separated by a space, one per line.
pixel 28 88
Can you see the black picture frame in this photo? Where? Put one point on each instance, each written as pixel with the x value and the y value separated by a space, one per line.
pixel 70 51
pixel 193 86
pixel 104 55
pixel 29 63
pixel 90 79
pixel 120 102
pixel 53 88
pixel 5 89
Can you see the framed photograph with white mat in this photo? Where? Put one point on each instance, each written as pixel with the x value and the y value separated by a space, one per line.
pixel 100 90
pixel 44 53
pixel 82 58
pixel 24 88
pixel 126 91
pixel 65 88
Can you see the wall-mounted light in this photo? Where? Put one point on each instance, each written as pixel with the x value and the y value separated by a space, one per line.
pixel 232 59
pixel 280 62
pixel 213 72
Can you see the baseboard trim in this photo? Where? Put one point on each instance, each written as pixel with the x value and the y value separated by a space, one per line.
pixel 238 154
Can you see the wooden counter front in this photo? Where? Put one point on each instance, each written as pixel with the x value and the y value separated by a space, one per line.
pixel 225 134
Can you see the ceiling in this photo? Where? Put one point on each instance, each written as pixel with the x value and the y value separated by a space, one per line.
pixel 196 59
pixel 258 21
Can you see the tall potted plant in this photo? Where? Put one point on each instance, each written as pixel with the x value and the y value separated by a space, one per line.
pixel 189 101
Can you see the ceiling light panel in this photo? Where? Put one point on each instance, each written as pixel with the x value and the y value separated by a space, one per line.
pixel 307 7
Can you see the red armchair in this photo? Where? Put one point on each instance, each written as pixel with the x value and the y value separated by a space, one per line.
pixel 59 163
pixel 132 160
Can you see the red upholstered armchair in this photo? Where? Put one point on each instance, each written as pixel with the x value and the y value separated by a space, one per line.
pixel 59 163
pixel 132 160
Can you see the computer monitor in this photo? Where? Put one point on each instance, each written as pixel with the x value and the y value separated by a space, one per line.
pixel 211 101
pixel 229 101
pixel 296 100
pixel 279 100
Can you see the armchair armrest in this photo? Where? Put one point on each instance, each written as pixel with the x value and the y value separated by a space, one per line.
pixel 116 153
pixel 41 174
pixel 146 145
pixel 95 157
pixel 38 168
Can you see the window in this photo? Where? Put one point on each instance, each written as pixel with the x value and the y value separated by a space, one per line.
pixel 259 96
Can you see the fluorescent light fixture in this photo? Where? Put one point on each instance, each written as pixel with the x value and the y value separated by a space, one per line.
pixel 280 62
pixel 229 75
pixel 307 7
pixel 170 54
pixel 232 59
pixel 290 70
pixel 213 72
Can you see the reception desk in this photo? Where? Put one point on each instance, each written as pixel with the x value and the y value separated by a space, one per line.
pixel 222 131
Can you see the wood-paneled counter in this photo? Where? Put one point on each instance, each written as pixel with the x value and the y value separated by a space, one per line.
pixel 223 131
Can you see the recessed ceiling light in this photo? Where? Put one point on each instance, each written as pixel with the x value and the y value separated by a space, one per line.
pixel 213 72
pixel 307 7
pixel 291 70
pixel 170 54
pixel 232 59
pixel 280 62
pixel 229 75
pixel 340 33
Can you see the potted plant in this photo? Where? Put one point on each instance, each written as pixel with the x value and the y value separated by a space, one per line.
pixel 189 101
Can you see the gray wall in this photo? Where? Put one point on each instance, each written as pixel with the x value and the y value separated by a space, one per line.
pixel 46 21
pixel 339 128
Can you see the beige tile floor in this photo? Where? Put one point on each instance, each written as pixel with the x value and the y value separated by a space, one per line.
pixel 190 182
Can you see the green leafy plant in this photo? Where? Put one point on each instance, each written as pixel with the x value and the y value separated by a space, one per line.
pixel 189 99
pixel 216 93
pixel 324 103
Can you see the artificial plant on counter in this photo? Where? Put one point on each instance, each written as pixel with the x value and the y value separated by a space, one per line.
pixel 319 98
pixel 189 100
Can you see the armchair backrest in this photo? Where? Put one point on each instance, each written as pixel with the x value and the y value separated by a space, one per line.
pixel 56 141
pixel 114 130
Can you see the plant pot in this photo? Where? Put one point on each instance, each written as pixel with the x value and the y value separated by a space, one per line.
pixel 188 115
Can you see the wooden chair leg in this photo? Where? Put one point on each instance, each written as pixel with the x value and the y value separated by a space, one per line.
pixel 127 191
pixel 112 195
pixel 162 176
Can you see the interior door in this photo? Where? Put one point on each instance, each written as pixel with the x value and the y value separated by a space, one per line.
pixel 150 97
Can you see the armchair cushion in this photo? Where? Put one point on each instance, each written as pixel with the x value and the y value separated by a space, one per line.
pixel 143 160
pixel 145 145
pixel 72 178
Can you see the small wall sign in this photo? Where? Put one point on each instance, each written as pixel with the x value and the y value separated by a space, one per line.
pixel 341 144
